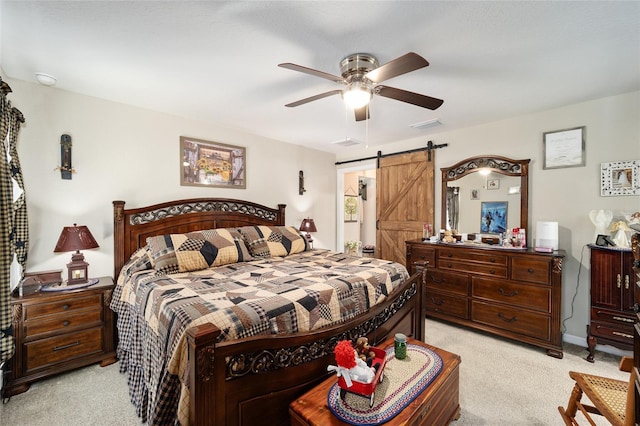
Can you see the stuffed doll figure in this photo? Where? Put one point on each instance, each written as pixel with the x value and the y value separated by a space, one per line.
pixel 350 366
pixel 364 351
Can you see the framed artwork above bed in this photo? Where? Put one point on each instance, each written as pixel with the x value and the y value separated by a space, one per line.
pixel 214 164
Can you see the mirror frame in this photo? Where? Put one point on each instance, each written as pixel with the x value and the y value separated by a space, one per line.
pixel 502 165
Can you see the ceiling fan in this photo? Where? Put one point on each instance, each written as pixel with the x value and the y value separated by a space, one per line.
pixel 361 73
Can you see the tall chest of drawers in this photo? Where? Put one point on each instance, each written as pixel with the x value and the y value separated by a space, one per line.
pixel 508 292
pixel 613 287
pixel 60 331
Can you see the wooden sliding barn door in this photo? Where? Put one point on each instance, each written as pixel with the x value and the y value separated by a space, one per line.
pixel 404 203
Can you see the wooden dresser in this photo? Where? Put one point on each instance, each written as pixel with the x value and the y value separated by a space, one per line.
pixel 635 247
pixel 612 299
pixel 60 331
pixel 508 292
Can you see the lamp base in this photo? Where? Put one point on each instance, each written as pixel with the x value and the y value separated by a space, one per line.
pixel 78 269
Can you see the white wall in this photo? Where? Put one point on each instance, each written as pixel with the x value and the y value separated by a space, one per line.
pixel 562 195
pixel 126 153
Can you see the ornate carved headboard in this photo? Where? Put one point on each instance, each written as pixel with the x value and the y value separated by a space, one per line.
pixel 132 227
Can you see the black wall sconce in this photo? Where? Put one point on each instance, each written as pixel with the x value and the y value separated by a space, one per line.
pixel 301 189
pixel 362 190
pixel 66 169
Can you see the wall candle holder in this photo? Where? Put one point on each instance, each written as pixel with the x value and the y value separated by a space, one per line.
pixel 66 170
pixel 301 189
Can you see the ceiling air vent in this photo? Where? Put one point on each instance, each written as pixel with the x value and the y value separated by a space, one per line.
pixel 427 124
pixel 347 142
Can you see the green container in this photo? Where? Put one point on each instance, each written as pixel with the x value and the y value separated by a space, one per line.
pixel 400 346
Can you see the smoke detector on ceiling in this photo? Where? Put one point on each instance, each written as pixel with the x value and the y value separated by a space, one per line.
pixel 45 79
pixel 427 124
pixel 347 142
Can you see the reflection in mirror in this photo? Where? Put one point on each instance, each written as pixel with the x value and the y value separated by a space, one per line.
pixel 487 202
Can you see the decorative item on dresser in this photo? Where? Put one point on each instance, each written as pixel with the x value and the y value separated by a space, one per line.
pixel 514 293
pixel 612 298
pixel 60 331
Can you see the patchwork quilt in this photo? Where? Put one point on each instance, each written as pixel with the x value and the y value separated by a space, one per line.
pixel 272 295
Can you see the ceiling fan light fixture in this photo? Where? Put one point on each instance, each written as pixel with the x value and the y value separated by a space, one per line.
pixel 357 96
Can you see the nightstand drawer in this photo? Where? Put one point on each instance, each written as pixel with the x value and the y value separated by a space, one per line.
pixel 45 352
pixel 63 305
pixel 67 321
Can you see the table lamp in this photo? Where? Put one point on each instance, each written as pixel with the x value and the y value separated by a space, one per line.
pixel 308 225
pixel 76 238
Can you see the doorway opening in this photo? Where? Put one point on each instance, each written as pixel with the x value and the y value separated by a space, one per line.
pixel 356 206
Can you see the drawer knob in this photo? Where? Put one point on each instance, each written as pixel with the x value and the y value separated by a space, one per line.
pixel 504 293
pixel 492 272
pixel 530 271
pixel 65 307
pixel 492 260
pixel 65 323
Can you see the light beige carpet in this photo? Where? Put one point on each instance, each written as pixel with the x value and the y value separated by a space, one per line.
pixel 501 383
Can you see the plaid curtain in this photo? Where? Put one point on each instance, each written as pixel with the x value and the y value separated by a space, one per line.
pixel 13 215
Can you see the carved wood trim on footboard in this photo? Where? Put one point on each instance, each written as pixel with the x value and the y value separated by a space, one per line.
pixel 254 380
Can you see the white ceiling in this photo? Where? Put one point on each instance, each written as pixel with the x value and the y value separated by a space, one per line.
pixel 217 60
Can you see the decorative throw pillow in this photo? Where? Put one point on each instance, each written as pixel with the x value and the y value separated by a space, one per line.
pixel 272 241
pixel 197 250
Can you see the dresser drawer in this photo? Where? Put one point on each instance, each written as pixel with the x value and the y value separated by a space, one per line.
pixel 445 304
pixel 421 253
pixel 530 270
pixel 448 281
pixel 475 268
pixel 615 332
pixel 65 321
pixel 512 319
pixel 526 296
pixel 45 352
pixel 464 255
pixel 615 318
pixel 36 310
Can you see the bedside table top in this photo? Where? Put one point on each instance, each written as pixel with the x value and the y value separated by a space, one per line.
pixel 33 289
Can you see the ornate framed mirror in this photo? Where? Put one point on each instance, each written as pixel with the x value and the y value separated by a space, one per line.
pixel 476 188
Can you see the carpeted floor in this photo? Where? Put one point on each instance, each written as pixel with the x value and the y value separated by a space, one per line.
pixel 501 383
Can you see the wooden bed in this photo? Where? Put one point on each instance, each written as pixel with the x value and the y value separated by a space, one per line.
pixel 253 380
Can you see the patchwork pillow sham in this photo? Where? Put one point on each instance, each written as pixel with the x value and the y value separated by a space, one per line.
pixel 197 250
pixel 273 241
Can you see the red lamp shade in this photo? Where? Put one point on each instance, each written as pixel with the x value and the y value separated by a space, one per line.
pixel 76 238
pixel 308 225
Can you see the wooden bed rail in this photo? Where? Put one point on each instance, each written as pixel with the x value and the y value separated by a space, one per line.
pixel 248 382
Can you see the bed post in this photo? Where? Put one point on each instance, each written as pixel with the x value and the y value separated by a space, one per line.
pixel 281 208
pixel 206 388
pixel 118 237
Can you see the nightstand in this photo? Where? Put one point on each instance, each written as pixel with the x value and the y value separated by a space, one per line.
pixel 60 331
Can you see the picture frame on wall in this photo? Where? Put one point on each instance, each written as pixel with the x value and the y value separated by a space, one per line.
pixel 213 164
pixel 350 208
pixel 493 184
pixel 564 148
pixel 493 216
pixel 475 194
pixel 620 178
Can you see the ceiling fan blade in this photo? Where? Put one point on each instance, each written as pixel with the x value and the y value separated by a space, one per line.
pixel 313 72
pixel 402 65
pixel 408 97
pixel 362 113
pixel 314 98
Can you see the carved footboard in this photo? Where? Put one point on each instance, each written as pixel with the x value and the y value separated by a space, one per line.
pixel 250 381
